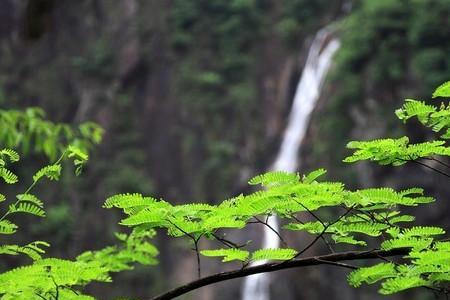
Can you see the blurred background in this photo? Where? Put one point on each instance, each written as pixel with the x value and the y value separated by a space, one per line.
pixel 194 97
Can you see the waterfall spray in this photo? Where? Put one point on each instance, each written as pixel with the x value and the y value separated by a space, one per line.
pixel 256 287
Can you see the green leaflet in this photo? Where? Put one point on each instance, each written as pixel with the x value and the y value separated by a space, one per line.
pixel 372 274
pixel 12 155
pixel 407 242
pixel 443 90
pixel 6 227
pixel 311 227
pixel 431 258
pixel 242 255
pixel 52 172
pixel 8 176
pixel 219 222
pixel 26 207
pixel 371 225
pixel 311 177
pixel 79 156
pixel 395 151
pixel 388 197
pixel 274 178
pixel 33 250
pixel 438 119
pixel 339 239
pixel 370 229
pixel 273 254
pixel 228 254
pixel 422 231
pixel 31 199
pixel 128 201
pixel 398 284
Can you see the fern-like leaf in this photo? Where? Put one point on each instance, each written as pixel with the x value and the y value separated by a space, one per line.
pixel 26 207
pixel 422 231
pixel 6 227
pixel 273 254
pixel 52 172
pixel 228 254
pixel 30 198
pixel 443 90
pixel 12 155
pixel 311 177
pixel 398 284
pixel 407 242
pixel 8 176
pixel 274 178
pixel 339 239
pixel 372 274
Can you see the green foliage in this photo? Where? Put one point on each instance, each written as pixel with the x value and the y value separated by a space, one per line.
pixel 399 151
pixel 134 248
pixel 372 73
pixel 29 131
pixel 33 250
pixel 52 172
pixel 372 274
pixel 395 151
pixel 51 278
pixel 370 216
pixel 429 258
pixel 429 115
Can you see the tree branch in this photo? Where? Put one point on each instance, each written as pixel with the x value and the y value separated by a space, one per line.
pixel 431 168
pixel 328 259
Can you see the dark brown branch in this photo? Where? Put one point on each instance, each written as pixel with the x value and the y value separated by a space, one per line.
pixel 333 259
pixel 431 168
pixel 413 160
pixel 438 161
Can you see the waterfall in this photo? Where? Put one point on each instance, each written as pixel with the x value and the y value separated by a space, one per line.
pixel 256 287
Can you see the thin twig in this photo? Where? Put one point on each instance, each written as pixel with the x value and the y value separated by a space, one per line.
pixel 199 270
pixel 195 240
pixel 321 234
pixel 320 221
pixel 228 243
pixel 273 230
pixel 310 212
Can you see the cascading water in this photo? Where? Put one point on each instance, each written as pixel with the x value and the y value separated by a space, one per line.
pixel 256 287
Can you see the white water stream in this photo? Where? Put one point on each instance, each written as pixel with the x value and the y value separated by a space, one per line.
pixel 256 287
